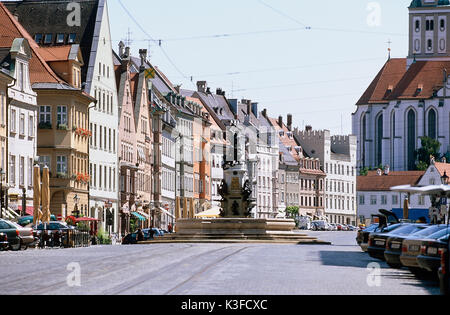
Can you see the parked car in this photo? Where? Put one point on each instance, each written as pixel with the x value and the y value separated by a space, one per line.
pixel 26 235
pixel 3 242
pixel 394 243
pixel 149 234
pixel 411 247
pixel 352 228
pixel 362 238
pixel 444 271
pixel 319 225
pixel 130 238
pixel 378 238
pixel 12 234
pixel 26 220
pixel 430 253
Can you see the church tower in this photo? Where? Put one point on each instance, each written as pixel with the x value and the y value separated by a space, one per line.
pixel 429 37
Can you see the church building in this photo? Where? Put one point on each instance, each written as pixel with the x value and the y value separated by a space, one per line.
pixel 408 99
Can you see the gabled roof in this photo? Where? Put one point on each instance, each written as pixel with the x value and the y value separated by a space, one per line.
pixel 50 17
pixel 443 168
pixel 286 141
pixel 389 76
pixel 40 71
pixel 374 182
pixel 426 75
pixel 395 82
pixel 61 53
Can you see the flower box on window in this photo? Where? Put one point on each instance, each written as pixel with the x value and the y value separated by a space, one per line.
pixel 45 125
pixel 62 127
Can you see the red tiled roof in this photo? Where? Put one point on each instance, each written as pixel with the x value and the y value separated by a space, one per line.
pixel 40 72
pixel 55 53
pixel 425 74
pixel 443 168
pixel 374 182
pixel 288 142
pixel 420 81
pixel 389 76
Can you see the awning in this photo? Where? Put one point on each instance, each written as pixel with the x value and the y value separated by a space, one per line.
pixel 28 210
pixel 211 213
pixel 137 215
pixel 167 212
pixel 144 214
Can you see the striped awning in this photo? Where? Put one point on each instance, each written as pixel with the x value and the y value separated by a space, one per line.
pixel 138 216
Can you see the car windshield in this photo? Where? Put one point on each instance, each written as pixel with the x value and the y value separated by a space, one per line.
pixel 390 228
pixel 408 229
pixel 429 231
pixel 442 233
pixel 371 228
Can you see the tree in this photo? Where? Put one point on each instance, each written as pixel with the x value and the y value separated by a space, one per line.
pixel 430 147
pixel 292 211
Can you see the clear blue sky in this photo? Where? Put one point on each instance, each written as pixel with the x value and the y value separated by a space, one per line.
pixel 317 75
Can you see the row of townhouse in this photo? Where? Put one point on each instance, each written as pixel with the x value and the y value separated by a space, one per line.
pixel 135 147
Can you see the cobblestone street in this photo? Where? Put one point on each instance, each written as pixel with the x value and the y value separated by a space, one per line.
pixel 207 269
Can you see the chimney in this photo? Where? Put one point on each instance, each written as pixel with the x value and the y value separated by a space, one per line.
pixel 201 86
pixel 255 109
pixel 249 107
pixel 143 55
pixel 386 170
pixel 121 49
pixel 289 122
pixel 308 128
pixel 280 121
pixel 264 112
pixel 208 90
pixel 220 92
pixel 127 52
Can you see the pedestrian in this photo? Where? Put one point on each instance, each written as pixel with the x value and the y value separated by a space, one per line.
pixel 169 227
pixel 140 236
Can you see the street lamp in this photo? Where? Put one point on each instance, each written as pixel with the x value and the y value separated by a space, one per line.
pixel 444 178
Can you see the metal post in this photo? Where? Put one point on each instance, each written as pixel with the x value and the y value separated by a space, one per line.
pixel 24 201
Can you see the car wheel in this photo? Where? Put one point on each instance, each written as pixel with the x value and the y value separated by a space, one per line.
pixel 16 247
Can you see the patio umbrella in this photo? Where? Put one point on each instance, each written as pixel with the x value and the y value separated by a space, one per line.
pixel 406 209
pixel 37 213
pixel 45 196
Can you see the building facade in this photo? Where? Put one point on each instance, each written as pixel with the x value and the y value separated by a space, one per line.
pixel 408 99
pixel 337 155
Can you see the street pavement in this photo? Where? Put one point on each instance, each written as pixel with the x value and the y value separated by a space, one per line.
pixel 209 269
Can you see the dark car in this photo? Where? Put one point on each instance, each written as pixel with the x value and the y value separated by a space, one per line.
pixel 26 220
pixel 362 237
pixel 394 245
pixel 378 238
pixel 129 239
pixel 411 248
pixel 430 252
pixel 3 242
pixel 444 271
pixel 12 234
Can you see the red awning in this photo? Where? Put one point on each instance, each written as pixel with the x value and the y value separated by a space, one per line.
pixel 29 209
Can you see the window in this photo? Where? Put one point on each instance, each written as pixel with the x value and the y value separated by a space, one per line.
pixel 60 38
pixel 13 120
pixel 44 161
pixel 61 165
pixel 30 126
pixel 383 200
pixel 22 124
pixel 429 44
pixel 12 170
pixel 45 114
pixel 30 172
pixel 417 25
pixel 373 200
pixel 442 24
pixel 61 116
pixel 19 77
pixel 395 200
pixel 72 38
pixel 48 38
pixel 22 171
pixel 432 124
pixel 38 38
pixel 421 200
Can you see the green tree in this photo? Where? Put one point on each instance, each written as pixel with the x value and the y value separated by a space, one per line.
pixel 292 211
pixel 430 147
pixel 364 171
